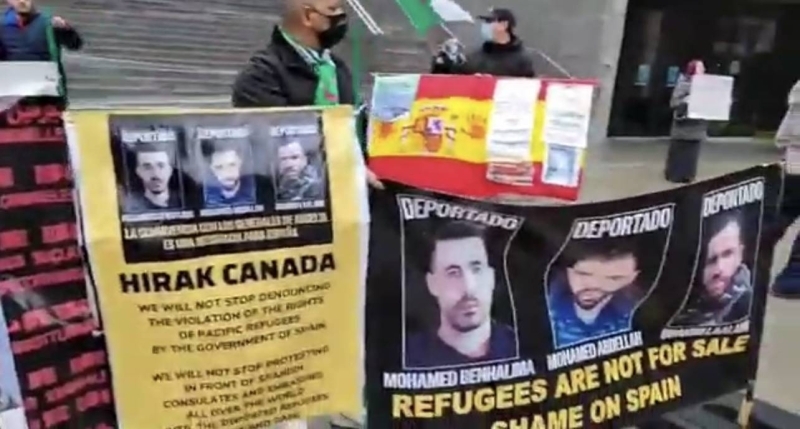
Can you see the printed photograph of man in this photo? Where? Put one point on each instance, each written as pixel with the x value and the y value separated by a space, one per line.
pixel 593 290
pixel 722 291
pixel 150 184
pixel 298 179
pixel 226 183
pixel 461 280
pixel 561 165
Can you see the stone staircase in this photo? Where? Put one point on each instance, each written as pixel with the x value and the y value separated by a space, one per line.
pixel 187 53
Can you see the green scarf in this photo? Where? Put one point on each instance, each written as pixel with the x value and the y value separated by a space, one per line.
pixel 327 93
pixel 54 49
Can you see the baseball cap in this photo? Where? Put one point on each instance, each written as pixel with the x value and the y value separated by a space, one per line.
pixel 500 15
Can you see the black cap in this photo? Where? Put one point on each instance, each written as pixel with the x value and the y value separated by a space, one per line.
pixel 500 15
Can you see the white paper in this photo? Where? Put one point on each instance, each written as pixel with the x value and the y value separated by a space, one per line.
pixel 793 160
pixel 28 78
pixel 510 131
pixel 710 97
pixel 568 109
pixel 510 128
pixel 561 165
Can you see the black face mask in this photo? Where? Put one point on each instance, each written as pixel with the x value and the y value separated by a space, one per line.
pixel 335 33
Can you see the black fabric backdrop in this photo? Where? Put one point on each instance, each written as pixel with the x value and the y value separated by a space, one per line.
pixel 525 265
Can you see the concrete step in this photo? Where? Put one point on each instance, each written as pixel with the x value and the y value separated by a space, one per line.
pixel 181 53
pixel 155 80
pixel 97 36
pixel 187 26
pixel 193 6
pixel 188 58
pixel 192 55
pixel 135 90
pixel 138 70
pixel 158 29
pixel 168 42
pixel 175 15
pixel 89 100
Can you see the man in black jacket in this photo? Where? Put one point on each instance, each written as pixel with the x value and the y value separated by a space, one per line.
pixel 286 72
pixel 502 52
pixel 297 67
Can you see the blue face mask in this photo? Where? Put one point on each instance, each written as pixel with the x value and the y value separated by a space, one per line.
pixel 486 32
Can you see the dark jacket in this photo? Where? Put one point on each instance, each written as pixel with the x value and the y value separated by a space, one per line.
pixel 35 39
pixel 508 59
pixel 277 76
pixel 427 350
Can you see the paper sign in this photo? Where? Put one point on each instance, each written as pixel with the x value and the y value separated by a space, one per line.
pixel 28 79
pixel 567 113
pixel 710 97
pixel 510 135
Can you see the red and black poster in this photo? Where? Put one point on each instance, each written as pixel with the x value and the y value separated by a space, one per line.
pixel 53 364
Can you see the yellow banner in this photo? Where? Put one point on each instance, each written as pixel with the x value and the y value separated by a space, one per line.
pixel 229 280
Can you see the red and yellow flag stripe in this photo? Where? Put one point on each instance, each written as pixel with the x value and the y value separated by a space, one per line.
pixel 441 144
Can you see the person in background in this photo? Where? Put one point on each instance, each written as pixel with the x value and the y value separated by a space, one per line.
pixel 787 283
pixel 297 67
pixel 502 52
pixel 31 34
pixel 687 134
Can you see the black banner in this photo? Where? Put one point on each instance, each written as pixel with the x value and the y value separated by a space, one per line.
pixel 197 185
pixel 53 365
pixel 593 315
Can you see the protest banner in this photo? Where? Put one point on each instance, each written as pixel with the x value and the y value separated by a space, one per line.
pixel 482 136
pixel 53 369
pixel 590 315
pixel 227 274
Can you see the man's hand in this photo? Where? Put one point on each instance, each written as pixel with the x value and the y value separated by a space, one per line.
pixel 59 22
pixel 373 181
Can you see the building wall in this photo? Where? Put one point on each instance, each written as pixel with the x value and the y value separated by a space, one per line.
pixel 584 36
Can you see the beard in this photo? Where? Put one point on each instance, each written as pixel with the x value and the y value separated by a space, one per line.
pixel 157 187
pixel 717 286
pixel 589 299
pixel 467 315
pixel 230 185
